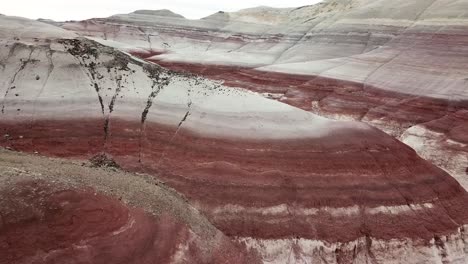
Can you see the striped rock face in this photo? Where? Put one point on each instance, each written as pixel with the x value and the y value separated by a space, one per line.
pixel 397 65
pixel 54 211
pixel 287 183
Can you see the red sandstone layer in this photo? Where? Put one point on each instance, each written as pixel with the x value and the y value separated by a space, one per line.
pixel 325 189
pixel 392 112
pixel 44 221
pixel 395 112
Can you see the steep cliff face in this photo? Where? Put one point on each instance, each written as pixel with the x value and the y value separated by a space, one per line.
pixel 397 65
pixel 287 184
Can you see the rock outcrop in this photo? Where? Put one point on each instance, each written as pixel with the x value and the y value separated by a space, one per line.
pixel 289 184
pixel 56 211
pixel 395 65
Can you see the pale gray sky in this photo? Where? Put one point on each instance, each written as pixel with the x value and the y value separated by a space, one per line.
pixel 83 9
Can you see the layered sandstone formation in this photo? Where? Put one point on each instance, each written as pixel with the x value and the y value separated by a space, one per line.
pixel 55 211
pixel 393 64
pixel 290 185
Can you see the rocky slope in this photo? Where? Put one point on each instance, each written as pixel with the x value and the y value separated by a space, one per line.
pixel 397 65
pixel 56 211
pixel 290 185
